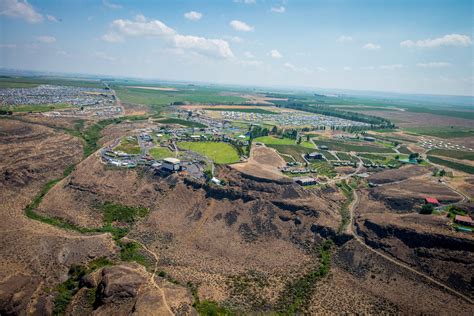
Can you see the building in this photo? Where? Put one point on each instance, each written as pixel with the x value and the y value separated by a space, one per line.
pixel 306 181
pixel 431 200
pixel 464 220
pixel 369 139
pixel 171 164
pixel 314 155
pixel 323 147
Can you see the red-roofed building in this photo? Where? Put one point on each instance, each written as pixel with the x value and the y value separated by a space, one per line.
pixel 430 200
pixel 464 220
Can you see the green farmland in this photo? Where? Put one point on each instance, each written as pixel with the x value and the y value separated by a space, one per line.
pixel 442 131
pixel 345 146
pixel 36 108
pixel 451 164
pixel 31 82
pixel 181 122
pixel 270 140
pixel 293 150
pixel 220 153
pixel 456 154
pixel 159 97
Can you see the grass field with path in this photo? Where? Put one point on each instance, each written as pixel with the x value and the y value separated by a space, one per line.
pixel 129 146
pixel 220 153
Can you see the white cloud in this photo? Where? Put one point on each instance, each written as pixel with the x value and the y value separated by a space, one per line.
pixel 51 18
pixel 104 56
pixel 371 46
pixel 321 69
pixel 193 15
pixel 435 64
pixel 141 27
pixel 347 68
pixel 20 9
pixel 248 55
pixel 275 54
pixel 111 5
pixel 253 63
pixel 241 26
pixel 209 47
pixel 391 67
pixel 234 39
pixel 367 68
pixel 46 39
pixel 447 40
pixel 298 69
pixel 344 39
pixel 280 9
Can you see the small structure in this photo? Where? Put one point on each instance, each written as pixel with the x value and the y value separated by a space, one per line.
pixel 314 155
pixel 306 181
pixel 216 181
pixel 464 220
pixel 171 164
pixel 431 200
pixel 323 147
pixel 369 139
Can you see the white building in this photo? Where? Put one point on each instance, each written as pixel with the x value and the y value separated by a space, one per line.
pixel 171 164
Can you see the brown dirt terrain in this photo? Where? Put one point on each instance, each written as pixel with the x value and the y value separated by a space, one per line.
pixel 426 242
pixel 263 163
pixel 35 256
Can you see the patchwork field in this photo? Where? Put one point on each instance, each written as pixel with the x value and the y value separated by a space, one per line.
pixel 346 146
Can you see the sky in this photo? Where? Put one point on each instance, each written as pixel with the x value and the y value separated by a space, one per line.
pixel 410 46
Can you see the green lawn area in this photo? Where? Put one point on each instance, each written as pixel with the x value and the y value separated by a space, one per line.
pixel 161 152
pixel 36 108
pixel 129 146
pixel 294 150
pixel 245 110
pixel 220 153
pixel 456 154
pixel 181 122
pixel 345 146
pixel 157 97
pixel 451 164
pixel 442 131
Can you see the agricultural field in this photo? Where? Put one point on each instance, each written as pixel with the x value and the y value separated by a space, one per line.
pixel 36 108
pixel 271 140
pixel 442 131
pixel 160 152
pixel 346 146
pixel 31 82
pixel 456 154
pixel 167 97
pixel 451 164
pixel 220 153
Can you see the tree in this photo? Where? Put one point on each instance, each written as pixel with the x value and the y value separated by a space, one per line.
pixel 274 130
pixel 307 138
pixel 427 209
pixel 413 156
pixel 299 140
pixel 442 173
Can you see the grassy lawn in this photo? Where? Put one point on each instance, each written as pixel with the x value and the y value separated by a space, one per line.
pixel 160 152
pixel 181 122
pixel 37 108
pixel 294 150
pixel 345 146
pixel 129 146
pixel 442 131
pixel 157 97
pixel 245 110
pixel 220 153
pixel 451 164
pixel 456 154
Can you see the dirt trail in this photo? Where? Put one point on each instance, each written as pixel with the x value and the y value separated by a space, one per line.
pixel 352 230
pixel 155 269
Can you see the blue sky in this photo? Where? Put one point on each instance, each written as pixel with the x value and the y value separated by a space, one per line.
pixel 402 46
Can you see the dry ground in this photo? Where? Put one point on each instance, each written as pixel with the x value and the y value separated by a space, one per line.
pixel 263 163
